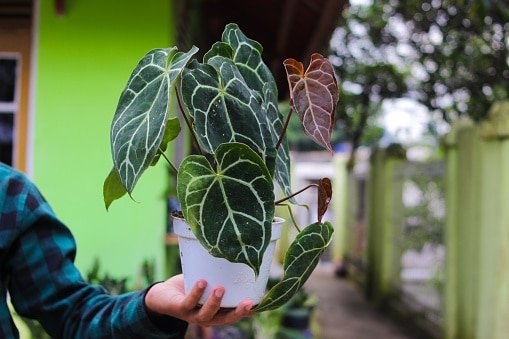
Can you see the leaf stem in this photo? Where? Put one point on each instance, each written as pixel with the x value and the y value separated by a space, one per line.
pixel 173 168
pixel 283 132
pixel 294 222
pixel 294 194
pixel 188 123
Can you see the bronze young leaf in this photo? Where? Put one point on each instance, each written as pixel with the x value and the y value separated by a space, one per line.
pixel 314 95
pixel 324 196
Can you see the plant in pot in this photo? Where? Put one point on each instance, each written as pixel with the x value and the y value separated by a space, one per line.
pixel 226 193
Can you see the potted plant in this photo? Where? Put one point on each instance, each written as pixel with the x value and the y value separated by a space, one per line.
pixel 226 193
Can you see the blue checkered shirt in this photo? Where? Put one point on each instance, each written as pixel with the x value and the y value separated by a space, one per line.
pixel 36 268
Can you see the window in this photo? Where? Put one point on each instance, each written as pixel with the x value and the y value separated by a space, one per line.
pixel 8 105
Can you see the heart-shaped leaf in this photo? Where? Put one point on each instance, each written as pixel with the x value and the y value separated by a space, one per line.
pixel 224 108
pixel 112 188
pixel 300 260
pixel 314 95
pixel 246 54
pixel 139 122
pixel 324 196
pixel 230 210
pixel 219 49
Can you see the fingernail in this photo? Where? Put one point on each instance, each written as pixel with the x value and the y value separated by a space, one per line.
pixel 202 284
pixel 248 307
pixel 219 293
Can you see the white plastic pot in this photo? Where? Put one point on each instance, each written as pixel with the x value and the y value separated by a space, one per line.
pixel 237 279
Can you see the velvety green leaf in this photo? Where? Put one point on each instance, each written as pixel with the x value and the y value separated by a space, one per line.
pixel 275 123
pixel 218 49
pixel 300 261
pixel 247 56
pixel 314 95
pixel 112 188
pixel 224 109
pixel 230 210
pixel 171 131
pixel 140 119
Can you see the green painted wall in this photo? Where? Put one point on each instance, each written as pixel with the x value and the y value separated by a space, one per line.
pixel 84 60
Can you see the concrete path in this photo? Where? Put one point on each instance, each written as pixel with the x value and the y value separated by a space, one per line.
pixel 343 312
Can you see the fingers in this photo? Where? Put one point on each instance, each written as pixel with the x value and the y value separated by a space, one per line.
pixel 192 299
pixel 230 316
pixel 211 313
pixel 211 306
pixel 169 298
pixel 243 310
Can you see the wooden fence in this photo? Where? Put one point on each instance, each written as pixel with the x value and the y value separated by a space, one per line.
pixel 475 294
pixel 477 289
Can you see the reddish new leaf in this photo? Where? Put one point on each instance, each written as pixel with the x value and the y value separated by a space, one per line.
pixel 324 196
pixel 314 95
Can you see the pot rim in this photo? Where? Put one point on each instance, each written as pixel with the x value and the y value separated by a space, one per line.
pixel 276 220
pixel 182 228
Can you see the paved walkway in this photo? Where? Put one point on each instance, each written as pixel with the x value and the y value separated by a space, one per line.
pixel 343 312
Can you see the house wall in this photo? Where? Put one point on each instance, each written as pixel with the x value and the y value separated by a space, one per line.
pixel 16 40
pixel 84 59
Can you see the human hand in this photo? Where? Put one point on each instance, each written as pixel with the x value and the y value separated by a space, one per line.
pixel 168 298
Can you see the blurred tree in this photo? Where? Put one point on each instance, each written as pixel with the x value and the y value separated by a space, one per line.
pixel 366 71
pixel 450 55
pixel 461 53
pixel 481 7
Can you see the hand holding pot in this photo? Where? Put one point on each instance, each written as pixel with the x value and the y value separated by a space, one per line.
pixel 168 298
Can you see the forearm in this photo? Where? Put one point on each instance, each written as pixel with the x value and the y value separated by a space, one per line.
pixel 123 316
pixel 45 285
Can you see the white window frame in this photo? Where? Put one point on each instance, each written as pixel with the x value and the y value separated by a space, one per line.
pixel 7 107
pixel 13 106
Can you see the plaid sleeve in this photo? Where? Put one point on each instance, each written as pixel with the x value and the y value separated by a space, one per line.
pixel 45 285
